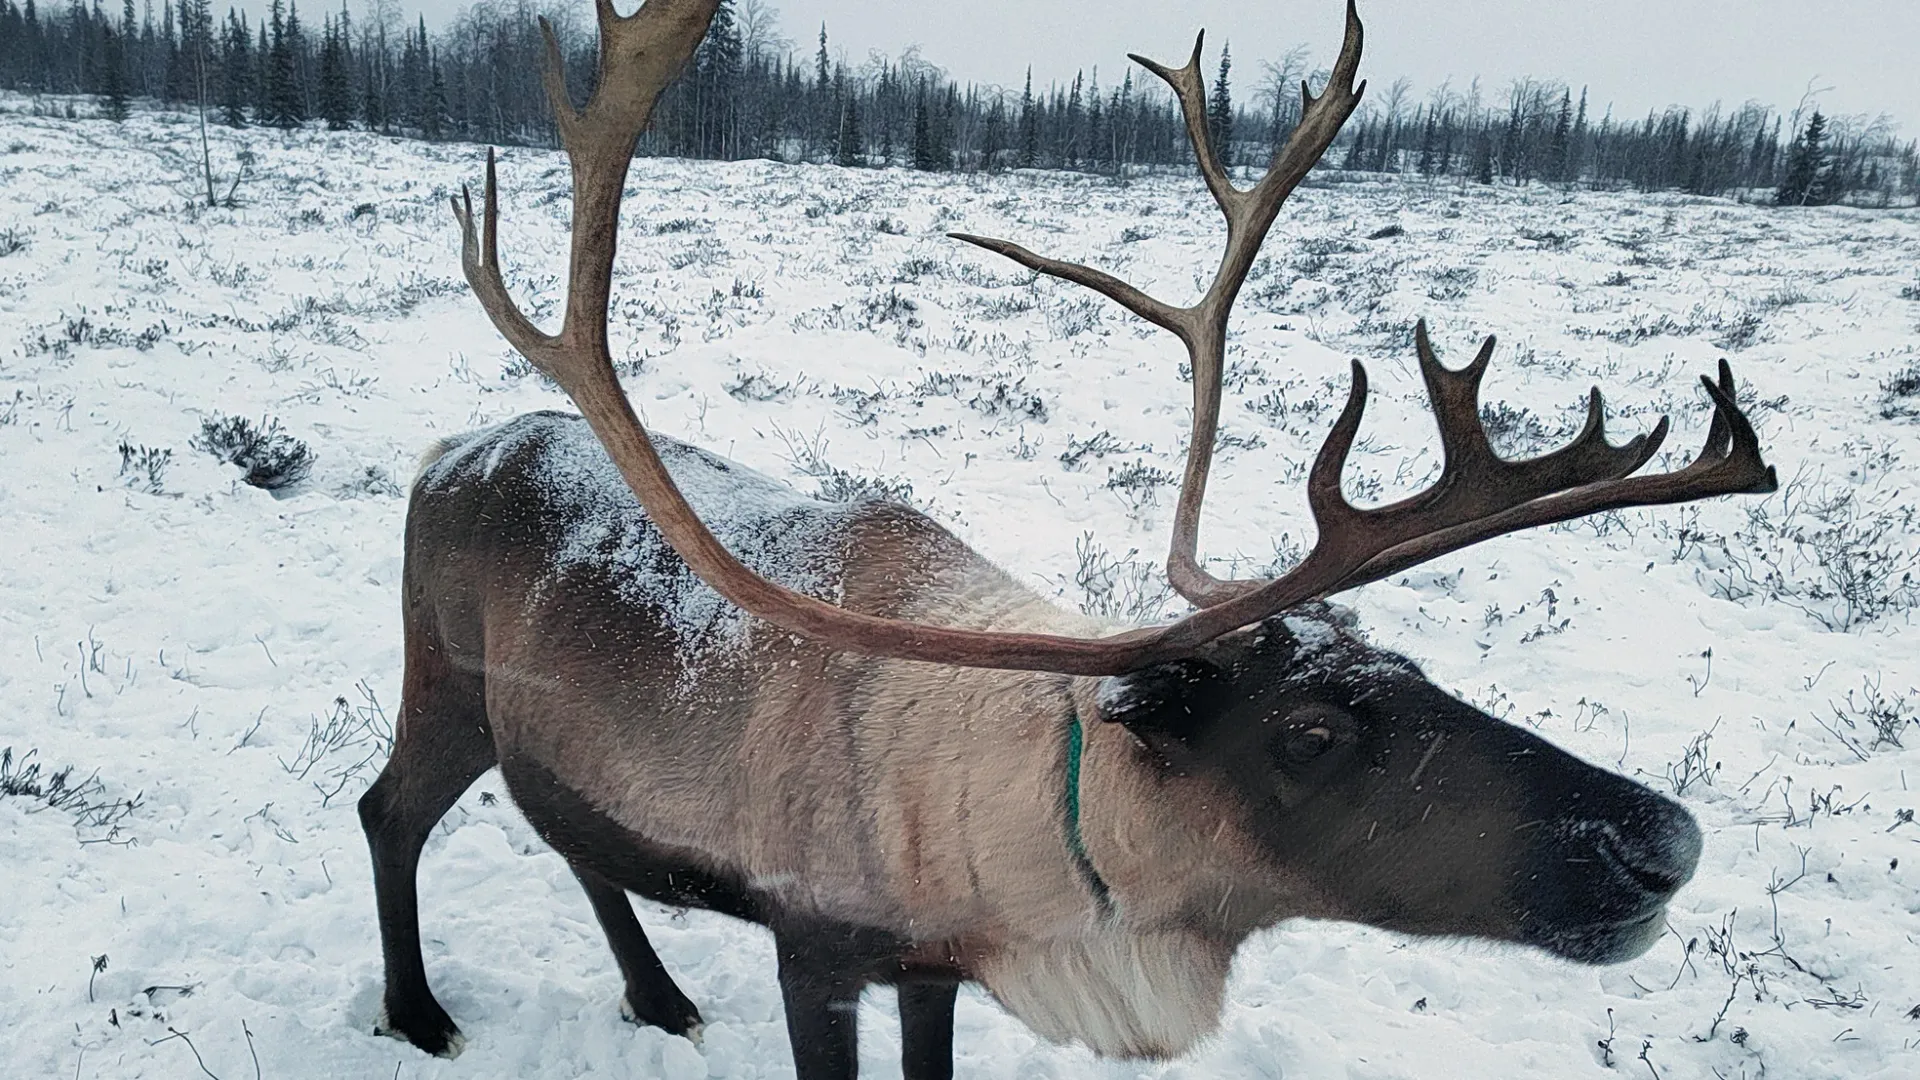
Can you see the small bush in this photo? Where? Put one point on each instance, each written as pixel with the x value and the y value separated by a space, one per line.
pixel 1900 394
pixel 1452 283
pixel 12 242
pixel 271 458
pixel 1098 445
pixel 1138 484
pixel 145 467
pixel 1516 432
pixel 1124 588
pixel 1011 400
pixel 1884 715
pixel 758 386
pixel 918 267
pixel 808 456
pixel 1844 559
pixel 85 800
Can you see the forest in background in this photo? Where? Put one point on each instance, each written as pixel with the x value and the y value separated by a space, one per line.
pixel 750 93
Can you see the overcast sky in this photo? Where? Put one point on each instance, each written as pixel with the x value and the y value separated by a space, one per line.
pixel 1635 54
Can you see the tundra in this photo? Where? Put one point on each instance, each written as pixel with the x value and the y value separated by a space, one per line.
pixel 838 721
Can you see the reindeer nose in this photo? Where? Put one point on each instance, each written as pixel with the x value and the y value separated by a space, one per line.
pixel 1659 855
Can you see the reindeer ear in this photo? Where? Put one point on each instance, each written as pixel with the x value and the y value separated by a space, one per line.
pixel 1161 699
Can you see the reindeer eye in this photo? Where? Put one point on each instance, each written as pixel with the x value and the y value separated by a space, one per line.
pixel 1309 744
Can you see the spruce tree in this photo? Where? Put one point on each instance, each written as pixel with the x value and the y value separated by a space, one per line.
pixel 336 90
pixel 373 102
pixel 1427 144
pixel 297 65
pixel 1096 125
pixel 993 136
pixel 434 121
pixel 236 70
pixel 262 77
pixel 1029 128
pixel 1483 158
pixel 820 63
pixel 1805 183
pixel 923 152
pixel 113 74
pixel 1220 110
pixel 1560 148
pixel 283 107
pixel 1071 143
pixel 846 148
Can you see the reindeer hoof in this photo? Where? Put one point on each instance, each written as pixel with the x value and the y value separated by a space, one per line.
pixel 675 1017
pixel 430 1029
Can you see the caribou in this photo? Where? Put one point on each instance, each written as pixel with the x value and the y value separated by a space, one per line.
pixel 838 721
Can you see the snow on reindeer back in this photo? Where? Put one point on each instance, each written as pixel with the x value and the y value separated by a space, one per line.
pixel 779 533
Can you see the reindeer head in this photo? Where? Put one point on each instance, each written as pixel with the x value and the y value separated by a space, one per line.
pixel 1400 806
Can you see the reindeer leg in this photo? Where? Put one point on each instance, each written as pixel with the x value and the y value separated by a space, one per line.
pixel 822 972
pixel 652 996
pixel 441 746
pixel 926 1030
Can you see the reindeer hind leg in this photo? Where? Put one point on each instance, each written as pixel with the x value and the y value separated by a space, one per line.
pixel 441 746
pixel 652 997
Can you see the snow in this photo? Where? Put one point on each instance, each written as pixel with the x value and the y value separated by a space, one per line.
pixel 780 532
pixel 232 657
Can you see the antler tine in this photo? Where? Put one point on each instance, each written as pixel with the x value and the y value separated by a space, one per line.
pixel 1163 315
pixel 1190 89
pixel 480 259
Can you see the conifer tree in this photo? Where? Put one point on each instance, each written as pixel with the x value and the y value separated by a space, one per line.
pixel 434 120
pixel 993 136
pixel 1220 110
pixel 336 90
pixel 846 148
pixel 236 70
pixel 262 70
pixel 1071 143
pixel 1428 144
pixel 1029 127
pixel 283 97
pixel 297 101
pixel 820 63
pixel 113 74
pixel 923 151
pixel 1560 146
pixel 1806 180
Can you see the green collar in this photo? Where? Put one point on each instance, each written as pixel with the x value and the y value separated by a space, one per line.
pixel 1076 844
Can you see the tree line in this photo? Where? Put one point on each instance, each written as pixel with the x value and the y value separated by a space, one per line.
pixel 749 93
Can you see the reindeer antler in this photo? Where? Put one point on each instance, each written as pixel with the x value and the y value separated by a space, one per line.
pixel 1478 495
pixel 1202 328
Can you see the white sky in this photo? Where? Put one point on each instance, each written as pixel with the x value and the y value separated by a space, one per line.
pixel 1635 54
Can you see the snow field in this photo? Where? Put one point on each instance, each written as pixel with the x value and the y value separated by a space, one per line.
pixel 229 658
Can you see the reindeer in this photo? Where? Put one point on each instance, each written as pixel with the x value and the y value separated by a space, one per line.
pixel 841 723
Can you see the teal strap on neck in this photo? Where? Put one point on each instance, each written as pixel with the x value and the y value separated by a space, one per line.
pixel 1076 844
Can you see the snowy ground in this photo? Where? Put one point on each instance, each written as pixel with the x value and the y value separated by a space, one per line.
pixel 226 658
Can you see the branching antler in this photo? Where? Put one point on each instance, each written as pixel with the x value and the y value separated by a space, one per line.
pixel 1478 495
pixel 1202 328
